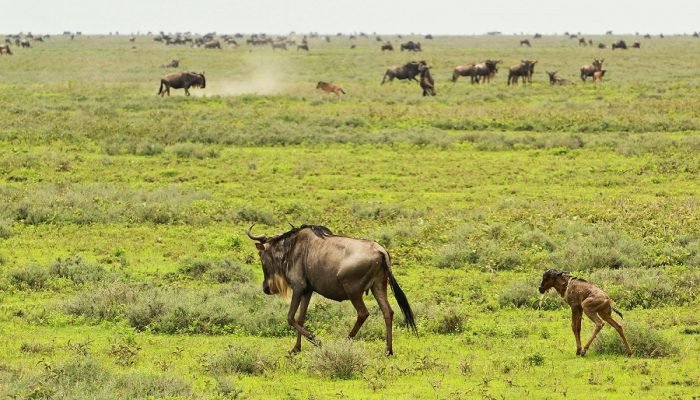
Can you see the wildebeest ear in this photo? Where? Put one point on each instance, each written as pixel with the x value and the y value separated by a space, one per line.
pixel 561 273
pixel 260 246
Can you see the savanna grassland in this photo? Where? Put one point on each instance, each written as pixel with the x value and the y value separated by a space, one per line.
pixel 125 271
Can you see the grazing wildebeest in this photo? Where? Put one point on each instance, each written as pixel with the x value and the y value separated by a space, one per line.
pixel 426 81
pixel 582 42
pixel 181 80
pixel 695 35
pixel 601 45
pixel 525 43
pixel 555 80
pixel 429 36
pixel 311 259
pixel 25 43
pixel 213 44
pixel 303 46
pixel 330 88
pixel 647 36
pixel 636 45
pixel 132 39
pixel 537 36
pixel 524 70
pixel 279 45
pixel 172 64
pixel 485 70
pixel 5 49
pixel 620 44
pixel 406 71
pixel 598 75
pixel 387 46
pixel 411 46
pixel 583 297
pixel 588 70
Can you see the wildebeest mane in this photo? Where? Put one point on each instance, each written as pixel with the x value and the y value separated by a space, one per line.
pixel 318 230
pixel 285 242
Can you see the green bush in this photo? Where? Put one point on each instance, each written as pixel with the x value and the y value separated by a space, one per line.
pixel 238 359
pixel 644 340
pixel 525 294
pixel 344 359
pixel 456 255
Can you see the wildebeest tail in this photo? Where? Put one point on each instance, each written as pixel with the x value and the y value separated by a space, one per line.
pixel 618 312
pixel 400 296
pixel 161 87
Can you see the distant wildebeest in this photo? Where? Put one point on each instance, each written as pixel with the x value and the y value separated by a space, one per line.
pixel 525 43
pixel 181 80
pixel 598 75
pixel 5 49
pixel 378 38
pixel 608 33
pixel 485 71
pixel 411 46
pixel 426 81
pixel 524 70
pixel 175 63
pixel 588 70
pixel 636 45
pixel 311 259
pixel 537 36
pixel 661 36
pixel 25 43
pixel 352 46
pixel 407 71
pixel 647 36
pixel 132 39
pixel 279 45
pixel 213 44
pixel 463 70
pixel 429 36
pixel 330 88
pixel 583 297
pixel 387 46
pixel 696 35
pixel 555 80
pixel 601 45
pixel 620 44
pixel 582 42
pixel 303 46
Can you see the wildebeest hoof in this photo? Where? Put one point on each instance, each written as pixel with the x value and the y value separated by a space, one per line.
pixel 583 352
pixel 295 350
pixel 578 352
pixel 389 353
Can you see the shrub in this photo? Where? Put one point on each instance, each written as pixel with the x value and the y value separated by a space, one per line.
pixel 644 340
pixel 106 302
pixel 525 294
pixel 647 288
pixel 144 385
pixel 193 150
pixel 448 321
pixel 338 360
pixel 238 359
pixel 456 255
pixel 33 277
pixel 5 228
pixel 249 214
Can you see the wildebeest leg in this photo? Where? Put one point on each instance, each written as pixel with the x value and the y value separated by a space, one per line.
pixel 304 305
pixel 362 314
pixel 380 293
pixel 590 307
pixel 576 314
pixel 605 314
pixel 296 301
pixel 187 91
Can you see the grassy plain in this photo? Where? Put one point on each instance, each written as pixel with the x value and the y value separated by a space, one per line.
pixel 125 271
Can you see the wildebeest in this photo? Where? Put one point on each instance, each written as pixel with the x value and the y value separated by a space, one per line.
pixel 636 45
pixel 303 46
pixel 601 45
pixel 620 44
pixel 583 297
pixel 537 36
pixel 426 81
pixel 387 46
pixel 25 43
pixel 411 46
pixel 486 70
pixel 279 45
pixel 598 75
pixel 213 44
pixel 5 49
pixel 330 88
pixel 555 80
pixel 172 64
pixel 181 80
pixel 406 71
pixel 429 36
pixel 582 42
pixel 311 259
pixel 588 70
pixel 463 70
pixel 524 70
pixel 525 43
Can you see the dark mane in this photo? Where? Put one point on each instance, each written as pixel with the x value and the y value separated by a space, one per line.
pixel 318 230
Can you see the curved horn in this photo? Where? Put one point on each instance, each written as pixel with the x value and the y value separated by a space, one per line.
pixel 290 224
pixel 260 238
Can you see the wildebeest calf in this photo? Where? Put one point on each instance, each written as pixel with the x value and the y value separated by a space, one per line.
pixel 555 80
pixel 583 297
pixel 426 82
pixel 598 75
pixel 181 80
pixel 330 88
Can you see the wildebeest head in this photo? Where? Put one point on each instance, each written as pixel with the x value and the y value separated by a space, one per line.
pixel 549 278
pixel 271 253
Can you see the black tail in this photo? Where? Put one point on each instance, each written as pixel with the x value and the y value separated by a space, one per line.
pixel 161 87
pixel 400 297
pixel 618 312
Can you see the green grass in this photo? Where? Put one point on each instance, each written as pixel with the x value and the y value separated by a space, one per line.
pixel 125 271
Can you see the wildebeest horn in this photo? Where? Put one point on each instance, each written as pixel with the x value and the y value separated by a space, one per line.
pixel 261 238
pixel 290 224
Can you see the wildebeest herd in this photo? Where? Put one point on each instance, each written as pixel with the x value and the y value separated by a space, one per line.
pixel 311 259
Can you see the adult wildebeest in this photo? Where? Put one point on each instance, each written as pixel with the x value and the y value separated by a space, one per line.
pixel 555 80
pixel 181 80
pixel 387 46
pixel 582 42
pixel 279 45
pixel 330 88
pixel 5 49
pixel 411 46
pixel 426 82
pixel 583 297
pixel 588 70
pixel 311 259
pixel 525 43
pixel 25 43
pixel 172 64
pixel 620 44
pixel 407 71
pixel 213 44
pixel 601 45
pixel 524 70
pixel 303 46
pixel 485 70
pixel 463 70
pixel 636 45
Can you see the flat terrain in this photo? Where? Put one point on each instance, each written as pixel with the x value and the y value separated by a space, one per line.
pixel 125 271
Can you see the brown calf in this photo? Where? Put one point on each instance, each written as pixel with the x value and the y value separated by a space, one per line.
pixel 583 297
pixel 598 75
pixel 330 88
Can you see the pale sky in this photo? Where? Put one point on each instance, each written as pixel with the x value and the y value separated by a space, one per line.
pixel 452 17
